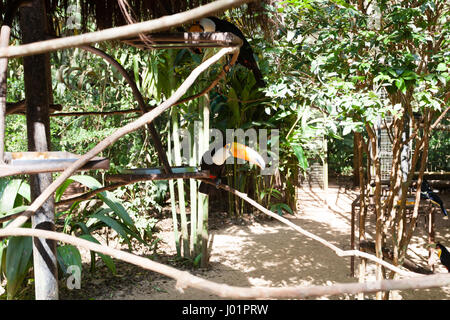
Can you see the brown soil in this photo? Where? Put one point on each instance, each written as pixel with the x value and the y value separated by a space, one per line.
pixel 260 252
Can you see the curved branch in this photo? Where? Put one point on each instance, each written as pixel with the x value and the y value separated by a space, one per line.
pixel 186 280
pixel 439 119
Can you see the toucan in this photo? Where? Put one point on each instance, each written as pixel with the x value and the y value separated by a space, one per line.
pixel 444 255
pixel 427 193
pixel 214 161
pixel 245 58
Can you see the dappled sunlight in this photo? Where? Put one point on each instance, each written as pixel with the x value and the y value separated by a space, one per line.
pixel 268 253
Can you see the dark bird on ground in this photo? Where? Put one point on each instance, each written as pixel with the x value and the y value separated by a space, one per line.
pixel 427 193
pixel 444 255
pixel 245 58
pixel 214 161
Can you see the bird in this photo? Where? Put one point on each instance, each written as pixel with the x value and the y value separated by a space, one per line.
pixel 427 193
pixel 444 255
pixel 245 58
pixel 214 161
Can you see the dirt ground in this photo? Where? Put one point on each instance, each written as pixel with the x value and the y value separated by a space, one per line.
pixel 262 252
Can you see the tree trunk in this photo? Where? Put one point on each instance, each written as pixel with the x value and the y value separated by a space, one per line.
pixel 38 97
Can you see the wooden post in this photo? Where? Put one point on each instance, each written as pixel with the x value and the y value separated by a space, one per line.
pixel 37 93
pixel 204 199
pixel 431 234
pixel 352 238
pixel 356 151
pixel 4 42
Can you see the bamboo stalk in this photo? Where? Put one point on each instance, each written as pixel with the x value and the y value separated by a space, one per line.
pixel 175 126
pixel 173 203
pixel 180 183
pixel 193 161
pixel 205 198
pixel 159 176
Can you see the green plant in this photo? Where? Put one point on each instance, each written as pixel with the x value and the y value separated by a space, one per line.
pixel 16 252
pixel 79 219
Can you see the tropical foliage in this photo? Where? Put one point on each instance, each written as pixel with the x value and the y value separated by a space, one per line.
pixel 333 68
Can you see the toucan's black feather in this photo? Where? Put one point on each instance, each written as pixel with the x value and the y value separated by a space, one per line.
pixel 245 57
pixel 427 193
pixel 445 256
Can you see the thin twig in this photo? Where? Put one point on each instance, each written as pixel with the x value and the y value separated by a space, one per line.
pixel 439 119
pixel 93 113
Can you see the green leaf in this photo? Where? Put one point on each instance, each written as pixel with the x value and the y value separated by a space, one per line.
pixel 9 195
pixel 112 224
pixel 87 181
pixel 61 189
pixel 441 67
pixel 197 260
pixel 68 255
pixel 106 259
pixel 18 263
pixel 116 206
pixel 278 207
pixel 299 153
pixel 233 104
pixel 24 191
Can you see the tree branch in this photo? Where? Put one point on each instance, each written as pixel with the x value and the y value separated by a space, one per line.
pixel 130 30
pixel 186 280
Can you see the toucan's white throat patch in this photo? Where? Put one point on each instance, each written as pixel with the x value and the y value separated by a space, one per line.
pixel 208 25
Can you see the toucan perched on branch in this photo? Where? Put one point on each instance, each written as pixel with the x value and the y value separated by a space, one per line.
pixel 245 58
pixel 427 193
pixel 215 162
pixel 444 255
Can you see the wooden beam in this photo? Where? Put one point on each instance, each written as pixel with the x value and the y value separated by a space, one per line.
pixel 94 113
pixel 20 107
pixel 162 176
pixel 19 163
pixel 186 40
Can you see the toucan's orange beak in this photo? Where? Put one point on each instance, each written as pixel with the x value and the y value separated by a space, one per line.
pixel 241 151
